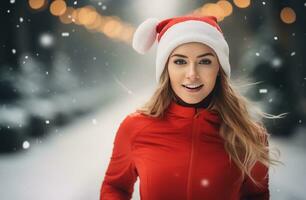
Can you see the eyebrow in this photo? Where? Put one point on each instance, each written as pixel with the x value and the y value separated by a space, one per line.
pixel 202 55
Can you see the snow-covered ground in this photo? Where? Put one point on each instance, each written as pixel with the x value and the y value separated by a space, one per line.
pixel 71 162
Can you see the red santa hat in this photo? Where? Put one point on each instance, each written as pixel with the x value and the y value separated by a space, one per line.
pixel 173 32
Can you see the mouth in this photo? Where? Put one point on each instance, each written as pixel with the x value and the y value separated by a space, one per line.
pixel 193 88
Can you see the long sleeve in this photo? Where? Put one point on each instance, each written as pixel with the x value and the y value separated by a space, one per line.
pixel 252 192
pixel 260 173
pixel 121 174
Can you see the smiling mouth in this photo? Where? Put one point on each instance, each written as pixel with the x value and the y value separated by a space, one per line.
pixel 193 87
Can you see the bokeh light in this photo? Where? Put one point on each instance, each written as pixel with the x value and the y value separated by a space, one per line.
pixel 58 7
pixel 288 15
pixel 226 7
pixel 36 4
pixel 242 3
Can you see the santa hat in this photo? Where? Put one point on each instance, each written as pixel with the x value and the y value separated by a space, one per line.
pixel 173 32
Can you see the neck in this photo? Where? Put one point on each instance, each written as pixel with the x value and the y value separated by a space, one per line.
pixel 202 104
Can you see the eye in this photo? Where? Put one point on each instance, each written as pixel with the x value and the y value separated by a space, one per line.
pixel 205 61
pixel 180 62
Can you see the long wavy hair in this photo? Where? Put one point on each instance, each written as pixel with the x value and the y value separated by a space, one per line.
pixel 245 136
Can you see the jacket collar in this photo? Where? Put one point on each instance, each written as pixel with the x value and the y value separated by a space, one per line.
pixel 192 112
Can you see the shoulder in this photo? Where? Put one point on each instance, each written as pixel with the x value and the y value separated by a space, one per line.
pixel 134 122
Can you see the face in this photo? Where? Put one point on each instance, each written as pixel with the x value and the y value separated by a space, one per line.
pixel 193 69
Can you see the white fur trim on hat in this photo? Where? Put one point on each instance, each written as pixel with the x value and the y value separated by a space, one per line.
pixel 145 35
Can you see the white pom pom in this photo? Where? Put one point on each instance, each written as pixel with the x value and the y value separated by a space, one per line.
pixel 145 35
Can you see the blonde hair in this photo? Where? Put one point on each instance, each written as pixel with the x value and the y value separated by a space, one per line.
pixel 245 138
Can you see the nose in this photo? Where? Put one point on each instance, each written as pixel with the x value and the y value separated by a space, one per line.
pixel 192 72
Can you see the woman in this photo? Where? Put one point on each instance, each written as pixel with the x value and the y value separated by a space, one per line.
pixel 195 138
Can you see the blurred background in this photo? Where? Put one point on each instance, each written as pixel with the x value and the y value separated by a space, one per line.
pixel 68 76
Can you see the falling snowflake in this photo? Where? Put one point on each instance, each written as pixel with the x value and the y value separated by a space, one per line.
pixel 257 54
pixel 25 145
pixel 47 122
pixel 276 62
pixel 104 7
pixel 14 51
pixel 12 1
pixel 263 91
pixel 21 19
pixel 46 40
pixel 263 3
pixel 275 38
pixel 292 53
pixel 65 34
pixel 204 182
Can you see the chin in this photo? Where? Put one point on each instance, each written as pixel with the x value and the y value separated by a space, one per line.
pixel 191 101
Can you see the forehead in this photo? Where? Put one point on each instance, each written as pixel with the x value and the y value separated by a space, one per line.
pixel 192 48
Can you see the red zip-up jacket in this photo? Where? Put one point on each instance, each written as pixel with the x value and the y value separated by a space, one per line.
pixel 181 157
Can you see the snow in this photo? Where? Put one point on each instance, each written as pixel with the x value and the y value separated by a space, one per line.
pixel 257 54
pixel 263 91
pixel 65 34
pixel 292 53
pixel 276 62
pixel 14 51
pixel 46 40
pixel 26 145
pixel 70 165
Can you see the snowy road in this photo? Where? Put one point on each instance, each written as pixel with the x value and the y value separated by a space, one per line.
pixel 71 162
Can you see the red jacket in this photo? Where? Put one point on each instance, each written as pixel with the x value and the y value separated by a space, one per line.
pixel 181 157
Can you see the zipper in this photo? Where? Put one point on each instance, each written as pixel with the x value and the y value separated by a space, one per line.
pixel 193 143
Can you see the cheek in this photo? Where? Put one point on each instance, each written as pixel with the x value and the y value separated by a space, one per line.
pixel 210 84
pixel 175 75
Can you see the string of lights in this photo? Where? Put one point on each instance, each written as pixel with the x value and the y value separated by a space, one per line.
pixel 114 28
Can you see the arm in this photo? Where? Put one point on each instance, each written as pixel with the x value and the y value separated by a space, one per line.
pixel 250 191
pixel 121 174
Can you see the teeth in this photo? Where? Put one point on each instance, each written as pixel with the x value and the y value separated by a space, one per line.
pixel 193 86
